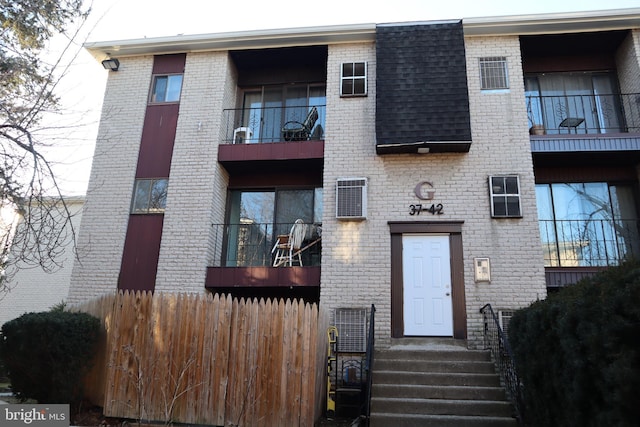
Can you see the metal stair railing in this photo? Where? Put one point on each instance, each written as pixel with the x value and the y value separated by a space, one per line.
pixel 496 340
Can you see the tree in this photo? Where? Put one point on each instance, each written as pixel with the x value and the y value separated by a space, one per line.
pixel 27 84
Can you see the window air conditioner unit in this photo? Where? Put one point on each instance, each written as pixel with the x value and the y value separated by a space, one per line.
pixel 352 329
pixel 351 198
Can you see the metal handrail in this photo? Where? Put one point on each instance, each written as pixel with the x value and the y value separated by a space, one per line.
pixel 250 244
pixel 496 340
pixel 585 114
pixel 369 367
pixel 268 124
pixel 589 242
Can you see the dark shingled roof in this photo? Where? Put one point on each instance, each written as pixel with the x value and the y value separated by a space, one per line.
pixel 421 88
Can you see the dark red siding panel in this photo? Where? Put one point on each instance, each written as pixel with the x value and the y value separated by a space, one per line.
pixel 169 64
pixel 141 252
pixel 273 151
pixel 230 277
pixel 158 136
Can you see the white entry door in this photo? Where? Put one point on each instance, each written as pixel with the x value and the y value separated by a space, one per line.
pixel 426 270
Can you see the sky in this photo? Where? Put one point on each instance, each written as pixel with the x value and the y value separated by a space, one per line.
pixel 82 88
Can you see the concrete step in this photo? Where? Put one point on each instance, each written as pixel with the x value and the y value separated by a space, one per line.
pixel 409 391
pixel 436 378
pixel 426 382
pixel 413 420
pixel 452 354
pixel 493 408
pixel 473 366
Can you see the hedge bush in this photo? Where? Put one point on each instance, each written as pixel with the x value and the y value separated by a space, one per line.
pixel 578 352
pixel 47 354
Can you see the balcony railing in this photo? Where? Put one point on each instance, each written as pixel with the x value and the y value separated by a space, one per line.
pixel 260 125
pixel 589 243
pixel 584 114
pixel 250 244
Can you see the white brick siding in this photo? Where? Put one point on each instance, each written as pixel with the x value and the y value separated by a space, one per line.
pixel 101 239
pixel 197 183
pixel 31 289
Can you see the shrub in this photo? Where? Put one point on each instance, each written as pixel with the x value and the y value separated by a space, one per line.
pixel 47 354
pixel 578 352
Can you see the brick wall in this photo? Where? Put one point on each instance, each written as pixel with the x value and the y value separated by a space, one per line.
pixel 111 181
pixel 500 146
pixel 356 264
pixel 197 183
pixel 628 63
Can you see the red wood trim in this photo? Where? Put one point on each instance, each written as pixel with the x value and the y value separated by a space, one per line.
pixel 169 64
pixel 229 277
pixel 141 252
pixel 271 151
pixel 454 228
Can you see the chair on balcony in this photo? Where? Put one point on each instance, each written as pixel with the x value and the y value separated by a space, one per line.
pixel 287 246
pixel 300 131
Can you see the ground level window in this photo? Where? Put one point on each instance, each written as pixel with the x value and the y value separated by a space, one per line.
pixel 149 196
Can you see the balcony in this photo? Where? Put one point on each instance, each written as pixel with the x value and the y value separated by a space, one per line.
pixel 592 114
pixel 270 136
pixel 244 257
pixel 574 249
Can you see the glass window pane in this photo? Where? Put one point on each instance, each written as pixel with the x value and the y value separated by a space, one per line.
pixel 174 87
pixel 497 185
pixel 347 87
pixel 141 196
pixel 347 69
pixel 499 206
pixel 359 69
pixel 159 89
pixel 158 200
pixel 358 86
pixel 250 228
pixel 294 204
pixel 317 206
pixel 512 185
pixel 513 206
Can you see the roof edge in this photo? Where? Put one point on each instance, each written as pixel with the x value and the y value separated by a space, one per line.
pixel 598 20
pixel 255 39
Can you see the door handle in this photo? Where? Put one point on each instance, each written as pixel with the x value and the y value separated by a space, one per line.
pixel 448 294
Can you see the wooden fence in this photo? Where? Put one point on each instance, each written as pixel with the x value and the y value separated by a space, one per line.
pixel 209 359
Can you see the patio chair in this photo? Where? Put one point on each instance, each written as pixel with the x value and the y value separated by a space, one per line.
pixel 300 131
pixel 287 246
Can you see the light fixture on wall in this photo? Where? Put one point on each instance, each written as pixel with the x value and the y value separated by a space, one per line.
pixel 111 64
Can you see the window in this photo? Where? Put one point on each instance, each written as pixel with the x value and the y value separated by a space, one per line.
pixel 166 88
pixel 493 73
pixel 266 109
pixel 150 196
pixel 505 196
pixel 353 79
pixel 576 102
pixel 587 224
pixel 256 218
